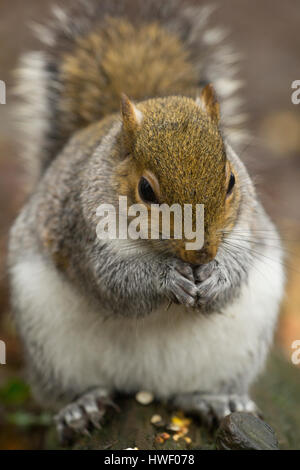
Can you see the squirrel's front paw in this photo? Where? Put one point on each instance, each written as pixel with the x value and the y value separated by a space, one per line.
pixel 211 283
pixel 180 284
pixel 82 415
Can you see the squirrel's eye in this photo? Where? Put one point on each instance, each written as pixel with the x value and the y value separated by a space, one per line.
pixel 230 184
pixel 146 192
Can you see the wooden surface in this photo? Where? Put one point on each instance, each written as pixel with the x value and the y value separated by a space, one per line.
pixel 277 393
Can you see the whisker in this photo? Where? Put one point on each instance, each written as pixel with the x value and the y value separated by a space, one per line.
pixel 268 245
pixel 258 254
pixel 251 262
pixel 251 232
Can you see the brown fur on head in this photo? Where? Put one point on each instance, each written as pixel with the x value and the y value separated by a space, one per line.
pixel 175 143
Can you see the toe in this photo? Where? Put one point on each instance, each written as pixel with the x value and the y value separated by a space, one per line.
pixel 92 410
pixel 185 291
pixel 243 404
pixel 70 421
pixel 75 418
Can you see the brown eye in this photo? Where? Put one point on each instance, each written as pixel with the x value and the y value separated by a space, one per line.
pixel 146 192
pixel 230 184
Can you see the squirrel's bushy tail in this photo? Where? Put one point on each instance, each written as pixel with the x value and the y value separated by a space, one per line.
pixel 102 48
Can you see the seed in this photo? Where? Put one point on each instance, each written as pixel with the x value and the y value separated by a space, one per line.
pixel 156 419
pixel 173 427
pixel 144 398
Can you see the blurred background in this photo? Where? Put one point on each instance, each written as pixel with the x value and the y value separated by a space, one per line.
pixel 267 34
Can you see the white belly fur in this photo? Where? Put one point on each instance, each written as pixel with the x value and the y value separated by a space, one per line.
pixel 167 352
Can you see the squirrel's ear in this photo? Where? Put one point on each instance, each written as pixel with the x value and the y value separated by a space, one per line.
pixel 209 103
pixel 132 117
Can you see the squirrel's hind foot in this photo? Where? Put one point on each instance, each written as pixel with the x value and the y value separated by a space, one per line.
pixel 211 409
pixel 82 415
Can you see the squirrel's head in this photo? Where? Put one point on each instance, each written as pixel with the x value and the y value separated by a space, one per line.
pixel 174 154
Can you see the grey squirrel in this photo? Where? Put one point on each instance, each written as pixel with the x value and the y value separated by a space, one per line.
pixel 95 316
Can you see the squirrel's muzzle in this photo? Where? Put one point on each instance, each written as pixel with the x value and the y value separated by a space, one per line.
pixel 203 256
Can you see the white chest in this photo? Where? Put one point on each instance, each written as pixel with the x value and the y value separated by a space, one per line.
pixel 170 351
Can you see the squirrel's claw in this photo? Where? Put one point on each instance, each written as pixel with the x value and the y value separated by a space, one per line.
pixel 83 414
